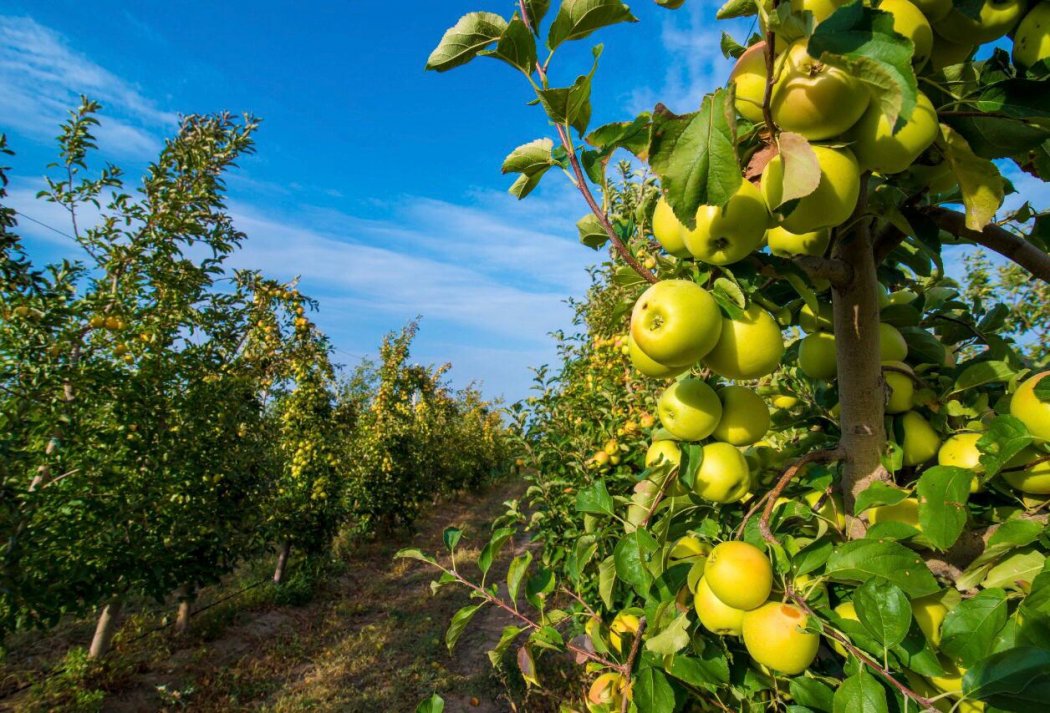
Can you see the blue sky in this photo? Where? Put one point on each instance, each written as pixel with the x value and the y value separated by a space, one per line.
pixel 376 181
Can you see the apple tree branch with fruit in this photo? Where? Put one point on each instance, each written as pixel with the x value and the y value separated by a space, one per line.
pixel 842 506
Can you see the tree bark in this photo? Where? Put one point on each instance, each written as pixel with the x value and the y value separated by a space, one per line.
pixel 1002 241
pixel 105 629
pixel 860 383
pixel 182 618
pixel 282 561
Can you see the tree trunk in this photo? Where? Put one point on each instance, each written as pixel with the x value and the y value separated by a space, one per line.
pixel 860 383
pixel 105 629
pixel 282 561
pixel 182 618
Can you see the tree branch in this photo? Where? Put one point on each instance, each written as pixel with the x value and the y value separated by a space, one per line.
pixel 770 498
pixel 627 667
pixel 994 238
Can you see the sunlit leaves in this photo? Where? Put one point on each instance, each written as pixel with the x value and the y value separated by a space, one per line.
pixel 531 160
pixel 860 560
pixel 577 19
pixel 980 182
pixel 943 492
pixel 461 43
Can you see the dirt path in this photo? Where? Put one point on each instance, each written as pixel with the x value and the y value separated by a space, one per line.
pixel 372 640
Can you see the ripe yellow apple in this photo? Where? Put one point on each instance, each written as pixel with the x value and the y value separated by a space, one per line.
pixel 929 614
pixel 676 322
pixel 828 206
pixel 814 99
pixel 847 611
pixel 745 416
pixel 997 17
pixel 821 9
pixel 909 21
pixel 689 409
pixel 715 615
pixel 934 9
pixel 901 391
pixel 961 451
pixel 749 80
pixel 946 53
pixel 892 346
pixel 668 230
pixel 608 689
pixel 784 243
pixel 1032 39
pixel 878 149
pixel 728 234
pixel 921 442
pixel 905 512
pixel 663 451
pixel 831 509
pixel 775 636
pixel 1033 413
pixel 1033 480
pixel 811 322
pixel 784 402
pixel 623 625
pixel 951 682
pixel 748 347
pixel 612 447
pixel 739 574
pixel 649 366
pixel 816 356
pixel 724 476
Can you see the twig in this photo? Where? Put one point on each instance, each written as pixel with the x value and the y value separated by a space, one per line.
pixel 767 98
pixel 787 477
pixel 629 666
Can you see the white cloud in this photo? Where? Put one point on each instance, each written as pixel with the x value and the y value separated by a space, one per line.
pixel 42 78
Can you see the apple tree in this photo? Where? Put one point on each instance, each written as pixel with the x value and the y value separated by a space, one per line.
pixel 845 509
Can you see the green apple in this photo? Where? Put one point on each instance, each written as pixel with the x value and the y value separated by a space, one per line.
pixel 905 512
pixel 1033 413
pixel 929 612
pixel 784 243
pixel 946 53
pixel 739 574
pixel 748 347
pixel 961 451
pixel 828 206
pixel 728 234
pixel 879 149
pixel 831 507
pixel 909 21
pixel 663 452
pixel 814 99
pixel 668 230
pixel 689 409
pixel 676 322
pixel 892 346
pixel 723 476
pixel 816 356
pixel 902 297
pixel 784 402
pixel 749 80
pixel 821 9
pixel 745 416
pixel 625 624
pixel 921 442
pixel 775 636
pixel 810 323
pixel 715 615
pixel 649 366
pixel 846 610
pixel 902 389
pixel 1032 39
pixel 1034 479
pixel 934 9
pixel 997 17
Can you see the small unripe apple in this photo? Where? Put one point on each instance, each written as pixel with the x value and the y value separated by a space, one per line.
pixel 821 9
pixel 745 416
pixel 1026 406
pixel 946 53
pixel 784 243
pixel 921 442
pixel 775 636
pixel 688 549
pixel 1032 39
pixel 723 476
pixel 892 346
pixel 727 234
pixel 676 322
pixel 846 610
pixel 748 347
pixel 608 689
pixel 961 451
pixel 739 574
pixel 689 409
pixel 784 402
pixel 831 509
pixel 715 615
pixel 816 356
pixel 833 201
pixel 814 99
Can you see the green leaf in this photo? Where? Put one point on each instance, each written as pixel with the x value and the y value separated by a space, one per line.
pixel 862 40
pixel 884 610
pixel 730 291
pixel 1012 680
pixel 1021 567
pixel 536 11
pixel 653 692
pixel 1004 438
pixel 812 693
pixel 1042 390
pixel 459 622
pixel 630 135
pixel 710 670
pixel 737 8
pixel 523 185
pixel 980 182
pixel 592 232
pixel 922 345
pixel 1034 614
pixel 860 560
pixel 578 18
pixel 492 549
pixel 530 159
pixel 505 640
pixel 860 693
pixel 981 373
pixel 413 553
pixel 1010 535
pixel 516 572
pixel 474 32
pixel 451 537
pixel 943 493
pixel 516 47
pixel 695 157
pixel 692 459
pixel 434 704
pixel 607 580
pixel 1013 121
pixel 801 168
pixel 632 555
pixel 672 639
pixel 595 499
pixel 970 628
pixel 571 105
pixel 878 493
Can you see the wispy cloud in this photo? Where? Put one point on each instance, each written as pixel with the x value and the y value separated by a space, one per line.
pixel 41 78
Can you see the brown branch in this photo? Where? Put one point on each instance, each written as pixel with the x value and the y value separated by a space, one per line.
pixel 789 475
pixel 627 667
pixel 887 241
pixel 767 98
pixel 834 271
pixel 993 237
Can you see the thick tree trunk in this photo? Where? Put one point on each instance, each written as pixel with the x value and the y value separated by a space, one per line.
pixel 860 383
pixel 105 629
pixel 182 619
pixel 282 561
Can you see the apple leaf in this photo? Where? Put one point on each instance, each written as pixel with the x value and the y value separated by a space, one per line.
pixel 801 167
pixel 860 560
pixel 592 233
pixel 527 666
pixel 863 41
pixel 505 640
pixel 1021 567
pixel 492 549
pixel 860 693
pixel 1042 390
pixel 518 566
pixel 434 704
pixel 451 537
pixel 607 580
pixel 672 639
pixel 632 554
pixel 737 8
pixel 1010 535
pixel 461 43
pixel 811 693
pixel 595 499
pixel 980 182
pixel 731 49
pixel 969 629
pixel 1015 120
pixel 1004 438
pixel 652 691
pixel 414 554
pixel 459 622
pixel 630 135
pixel 983 372
pixel 578 18
pixel 878 493
pixel 884 610
pixel 531 160
pixel 943 491
pixel 536 11
pixel 1014 679
pixel 516 47
pixel 670 4
pixel 694 155
pixel 571 105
